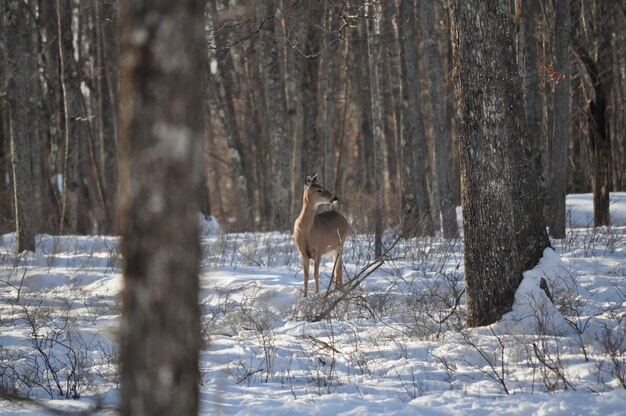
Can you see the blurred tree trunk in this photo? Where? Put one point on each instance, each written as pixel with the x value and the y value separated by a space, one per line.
pixel 373 32
pixel 416 218
pixel 446 209
pixel 276 105
pixel 555 210
pixel 503 224
pixel 17 37
pixel 311 155
pixel 160 149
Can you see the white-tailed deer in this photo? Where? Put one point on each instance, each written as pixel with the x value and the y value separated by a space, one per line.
pixel 319 234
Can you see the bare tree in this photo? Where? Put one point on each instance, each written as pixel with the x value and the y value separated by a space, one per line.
pixel 503 224
pixel 74 119
pixel 106 47
pixel 161 150
pixel 441 137
pixel 276 105
pixel 17 32
pixel 557 184
pixel 595 55
pixel 416 218
pixel 310 55
pixel 223 80
pixel 529 68
pixel 373 31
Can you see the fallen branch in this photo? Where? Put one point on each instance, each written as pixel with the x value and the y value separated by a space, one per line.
pixel 328 304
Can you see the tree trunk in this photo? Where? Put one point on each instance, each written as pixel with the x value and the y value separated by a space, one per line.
pixel 373 31
pixel 241 171
pixel 389 83
pixel 160 153
pixel 598 66
pixel 441 137
pixel 276 105
pixel 415 201
pixel 311 138
pixel 334 81
pixel 17 35
pixel 531 84
pixel 556 211
pixel 503 228
pixel 73 118
pixel 106 27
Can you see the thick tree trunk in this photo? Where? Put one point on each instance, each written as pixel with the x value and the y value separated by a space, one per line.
pixel 441 137
pixel 555 210
pixel 415 201
pixel 501 240
pixel 17 37
pixel 276 106
pixel 160 153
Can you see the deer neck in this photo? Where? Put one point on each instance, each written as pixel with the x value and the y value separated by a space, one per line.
pixel 307 214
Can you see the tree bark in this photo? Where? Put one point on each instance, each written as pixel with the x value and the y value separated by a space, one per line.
pixel 106 27
pixel 74 120
pixel 373 31
pixel 17 34
pixel 225 73
pixel 160 150
pixel 415 201
pixel 555 210
pixel 310 55
pixel 391 108
pixel 598 67
pixel 531 84
pixel 441 137
pixel 276 105
pixel 504 233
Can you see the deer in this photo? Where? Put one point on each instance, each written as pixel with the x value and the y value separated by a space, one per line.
pixel 317 234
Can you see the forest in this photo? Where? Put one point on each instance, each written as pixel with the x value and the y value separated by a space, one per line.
pixel 289 92
pixel 474 150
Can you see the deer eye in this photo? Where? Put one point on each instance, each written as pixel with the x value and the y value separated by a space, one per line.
pixel 319 191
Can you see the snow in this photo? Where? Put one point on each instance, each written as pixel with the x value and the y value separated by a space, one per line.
pixel 397 346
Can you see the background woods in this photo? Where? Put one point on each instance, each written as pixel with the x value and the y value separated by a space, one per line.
pixel 363 95
pixel 127 118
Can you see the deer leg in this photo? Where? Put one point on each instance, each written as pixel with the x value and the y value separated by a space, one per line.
pixel 316 272
pixel 305 267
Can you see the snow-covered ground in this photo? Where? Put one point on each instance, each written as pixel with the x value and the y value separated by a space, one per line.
pixel 396 345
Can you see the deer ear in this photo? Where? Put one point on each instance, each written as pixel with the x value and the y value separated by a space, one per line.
pixel 310 180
